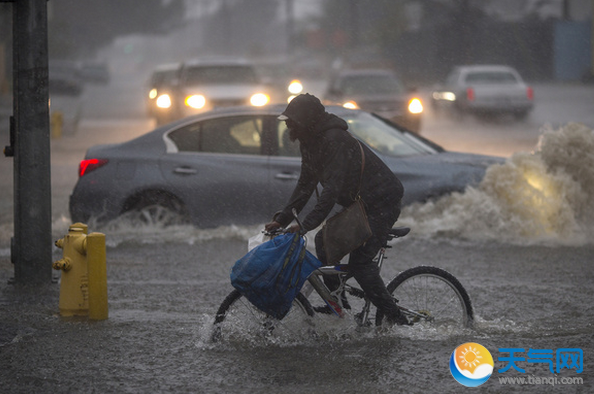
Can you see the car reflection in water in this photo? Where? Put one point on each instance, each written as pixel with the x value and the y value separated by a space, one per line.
pixel 237 165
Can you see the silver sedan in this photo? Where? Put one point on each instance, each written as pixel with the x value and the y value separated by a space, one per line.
pixel 237 166
pixel 484 90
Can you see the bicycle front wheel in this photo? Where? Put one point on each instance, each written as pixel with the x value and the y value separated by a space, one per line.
pixel 238 319
pixel 431 295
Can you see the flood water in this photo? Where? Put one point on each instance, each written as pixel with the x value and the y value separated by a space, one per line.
pixel 163 295
pixel 520 243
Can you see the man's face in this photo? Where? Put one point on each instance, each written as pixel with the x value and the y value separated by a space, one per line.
pixel 294 129
pixel 291 124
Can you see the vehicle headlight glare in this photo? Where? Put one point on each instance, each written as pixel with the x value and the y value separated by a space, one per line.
pixel 153 94
pixel 295 87
pixel 350 105
pixel 164 101
pixel 415 106
pixel 259 99
pixel 447 96
pixel 196 101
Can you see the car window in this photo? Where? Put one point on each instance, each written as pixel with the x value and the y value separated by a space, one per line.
pixel 285 146
pixel 370 84
pixel 220 75
pixel 237 135
pixel 186 139
pixel 384 138
pixel 163 77
pixel 491 77
pixel 376 132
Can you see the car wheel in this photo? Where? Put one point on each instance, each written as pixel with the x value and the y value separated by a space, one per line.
pixel 156 209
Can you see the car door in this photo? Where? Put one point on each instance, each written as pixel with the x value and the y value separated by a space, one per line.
pixel 285 167
pixel 218 168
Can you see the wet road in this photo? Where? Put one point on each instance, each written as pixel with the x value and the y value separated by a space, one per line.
pixel 163 296
pixel 530 291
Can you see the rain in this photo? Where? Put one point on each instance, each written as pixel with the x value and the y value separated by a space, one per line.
pixel 519 241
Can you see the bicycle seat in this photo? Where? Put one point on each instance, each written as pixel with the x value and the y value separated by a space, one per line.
pixel 398 232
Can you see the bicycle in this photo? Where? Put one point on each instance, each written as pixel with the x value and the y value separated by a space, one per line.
pixel 425 295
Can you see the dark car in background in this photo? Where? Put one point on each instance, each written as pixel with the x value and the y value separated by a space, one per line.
pixel 484 90
pixel 237 166
pixel 379 91
pixel 160 89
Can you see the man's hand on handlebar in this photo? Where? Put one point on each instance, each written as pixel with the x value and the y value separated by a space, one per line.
pixel 275 227
pixel 272 226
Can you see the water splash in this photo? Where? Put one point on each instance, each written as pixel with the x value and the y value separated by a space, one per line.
pixel 544 196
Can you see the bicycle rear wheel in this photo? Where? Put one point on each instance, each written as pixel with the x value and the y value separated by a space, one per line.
pixel 435 295
pixel 238 319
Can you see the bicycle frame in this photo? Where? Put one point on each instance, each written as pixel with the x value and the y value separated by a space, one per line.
pixel 331 298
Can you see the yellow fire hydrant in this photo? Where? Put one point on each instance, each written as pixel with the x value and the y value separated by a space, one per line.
pixel 83 286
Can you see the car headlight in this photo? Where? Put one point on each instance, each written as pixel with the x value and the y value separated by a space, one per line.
pixel 259 99
pixel 164 101
pixel 196 101
pixel 350 105
pixel 447 96
pixel 153 93
pixel 415 106
pixel 295 87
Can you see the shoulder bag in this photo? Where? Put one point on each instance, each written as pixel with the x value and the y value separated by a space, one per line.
pixel 349 229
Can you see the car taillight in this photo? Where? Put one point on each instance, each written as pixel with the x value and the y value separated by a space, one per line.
pixel 89 165
pixel 470 94
pixel 530 93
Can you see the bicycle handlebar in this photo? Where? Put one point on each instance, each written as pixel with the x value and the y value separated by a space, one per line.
pixel 280 231
pixel 274 233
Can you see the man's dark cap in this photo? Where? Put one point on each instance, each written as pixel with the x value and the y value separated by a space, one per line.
pixel 304 109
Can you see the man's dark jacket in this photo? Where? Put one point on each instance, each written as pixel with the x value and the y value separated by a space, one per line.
pixel 331 156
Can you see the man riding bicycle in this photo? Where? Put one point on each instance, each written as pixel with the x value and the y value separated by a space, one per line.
pixel 331 156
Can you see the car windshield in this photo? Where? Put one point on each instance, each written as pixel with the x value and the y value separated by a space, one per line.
pixel 491 77
pixel 383 137
pixel 370 84
pixel 220 75
pixel 163 77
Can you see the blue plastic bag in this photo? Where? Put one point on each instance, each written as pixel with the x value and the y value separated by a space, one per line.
pixel 271 275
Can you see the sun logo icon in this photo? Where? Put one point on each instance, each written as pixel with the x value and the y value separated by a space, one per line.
pixel 471 364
